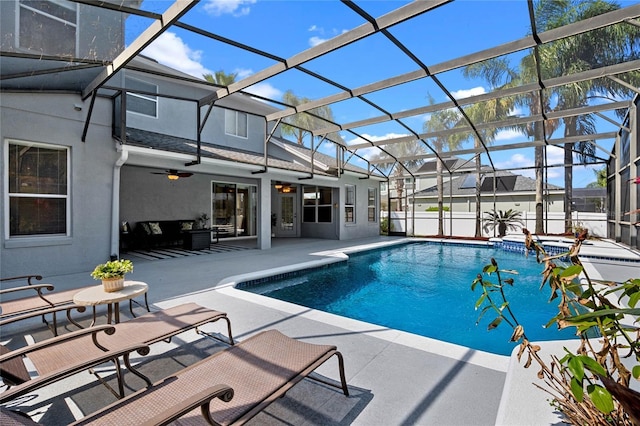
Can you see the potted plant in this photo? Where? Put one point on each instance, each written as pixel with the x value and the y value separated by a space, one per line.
pixel 503 220
pixel 112 274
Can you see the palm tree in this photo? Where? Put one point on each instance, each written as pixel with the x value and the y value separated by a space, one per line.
pixel 300 124
pixel 221 78
pixel 498 73
pixel 595 49
pixel 387 160
pixel 442 120
pixel 503 220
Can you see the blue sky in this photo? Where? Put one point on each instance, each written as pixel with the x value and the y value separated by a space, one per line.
pixel 285 28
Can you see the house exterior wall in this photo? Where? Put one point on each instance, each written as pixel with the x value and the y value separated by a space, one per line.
pixel 52 119
pixel 145 196
pixel 100 32
pixel 514 201
pixel 179 118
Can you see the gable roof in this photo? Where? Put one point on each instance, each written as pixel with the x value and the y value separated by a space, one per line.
pixel 506 182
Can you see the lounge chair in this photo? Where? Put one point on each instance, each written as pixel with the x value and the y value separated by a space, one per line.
pixel 70 353
pixel 230 386
pixel 38 300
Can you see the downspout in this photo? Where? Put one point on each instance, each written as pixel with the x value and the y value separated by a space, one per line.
pixel 115 204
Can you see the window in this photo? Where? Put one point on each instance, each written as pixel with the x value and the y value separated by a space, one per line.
pixel 38 189
pixel 48 27
pixel 142 103
pixel 372 198
pixel 235 123
pixel 316 204
pixel 350 204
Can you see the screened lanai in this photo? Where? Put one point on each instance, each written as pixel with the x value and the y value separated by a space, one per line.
pixel 544 89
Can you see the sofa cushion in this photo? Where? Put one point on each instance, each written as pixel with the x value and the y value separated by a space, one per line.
pixel 155 228
pixel 145 227
pixel 186 226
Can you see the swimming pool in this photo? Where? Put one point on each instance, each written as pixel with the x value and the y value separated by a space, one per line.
pixel 425 289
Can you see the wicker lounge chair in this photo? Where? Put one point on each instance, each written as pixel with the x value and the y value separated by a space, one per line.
pixel 38 300
pixel 230 386
pixel 68 354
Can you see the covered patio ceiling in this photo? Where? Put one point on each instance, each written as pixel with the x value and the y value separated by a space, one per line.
pixel 388 90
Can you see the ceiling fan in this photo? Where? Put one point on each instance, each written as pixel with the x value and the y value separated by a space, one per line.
pixel 173 174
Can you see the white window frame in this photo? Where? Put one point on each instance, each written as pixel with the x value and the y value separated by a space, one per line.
pixel 350 204
pixel 65 4
pixel 372 204
pixel 8 196
pixel 231 120
pixel 143 97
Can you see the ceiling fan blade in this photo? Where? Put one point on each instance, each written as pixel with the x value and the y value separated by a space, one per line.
pixel 185 174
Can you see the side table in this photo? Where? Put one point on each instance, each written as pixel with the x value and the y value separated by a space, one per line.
pixel 94 296
pixel 197 239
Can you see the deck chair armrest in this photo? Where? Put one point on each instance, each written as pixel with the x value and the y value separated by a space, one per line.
pixel 40 312
pixel 23 277
pixel 40 381
pixel 202 399
pixel 109 329
pixel 34 287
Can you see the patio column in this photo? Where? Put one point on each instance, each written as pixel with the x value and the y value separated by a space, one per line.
pixel 264 214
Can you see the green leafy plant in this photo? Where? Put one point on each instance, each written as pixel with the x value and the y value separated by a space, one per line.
pixel 503 220
pixel 112 269
pixel 590 385
pixel 385 226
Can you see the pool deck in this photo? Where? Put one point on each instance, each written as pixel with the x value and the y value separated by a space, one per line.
pixel 395 378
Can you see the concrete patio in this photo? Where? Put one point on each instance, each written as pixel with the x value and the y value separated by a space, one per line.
pixel 395 377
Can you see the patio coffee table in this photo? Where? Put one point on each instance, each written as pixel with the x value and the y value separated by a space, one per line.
pixel 95 296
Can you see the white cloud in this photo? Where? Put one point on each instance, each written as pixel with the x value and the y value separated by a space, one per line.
pixel 504 135
pixel 465 93
pixel 230 7
pixel 322 35
pixel 264 89
pixel 555 155
pixel 369 153
pixel 170 50
pixel 314 41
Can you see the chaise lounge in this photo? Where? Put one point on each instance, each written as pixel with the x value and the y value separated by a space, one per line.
pixel 230 386
pixel 42 300
pixel 68 354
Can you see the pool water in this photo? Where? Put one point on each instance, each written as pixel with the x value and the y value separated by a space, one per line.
pixel 425 289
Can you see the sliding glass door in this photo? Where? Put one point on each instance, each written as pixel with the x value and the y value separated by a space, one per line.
pixel 234 209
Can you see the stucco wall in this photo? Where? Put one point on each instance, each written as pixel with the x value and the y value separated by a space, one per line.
pixel 148 196
pixel 52 119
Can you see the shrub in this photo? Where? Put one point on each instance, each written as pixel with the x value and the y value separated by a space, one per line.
pixel 590 386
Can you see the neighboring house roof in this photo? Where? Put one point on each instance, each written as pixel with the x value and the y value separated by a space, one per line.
pixel 505 182
pixel 599 192
pixel 147 139
pixel 451 163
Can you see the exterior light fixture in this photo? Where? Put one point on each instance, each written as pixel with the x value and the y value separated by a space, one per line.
pixel 286 189
pixel 172 176
pixel 278 186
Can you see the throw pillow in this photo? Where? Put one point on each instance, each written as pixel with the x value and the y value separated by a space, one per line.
pixel 186 226
pixel 145 227
pixel 155 228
